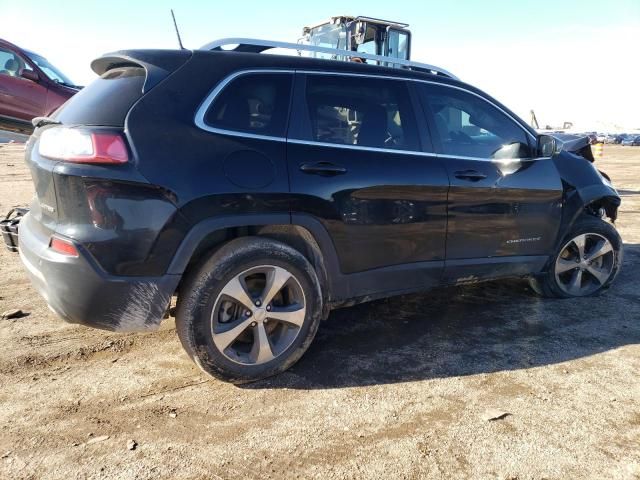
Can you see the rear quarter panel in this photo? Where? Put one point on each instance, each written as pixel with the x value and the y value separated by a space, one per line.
pixel 174 153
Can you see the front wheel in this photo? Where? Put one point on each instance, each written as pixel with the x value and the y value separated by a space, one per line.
pixel 250 311
pixel 586 263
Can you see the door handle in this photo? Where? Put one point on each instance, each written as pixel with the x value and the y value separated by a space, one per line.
pixel 472 175
pixel 323 168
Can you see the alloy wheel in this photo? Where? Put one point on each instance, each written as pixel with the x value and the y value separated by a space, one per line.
pixel 585 264
pixel 258 314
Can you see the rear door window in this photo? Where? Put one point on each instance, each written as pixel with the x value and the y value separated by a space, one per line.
pixel 361 111
pixel 255 103
pixel 468 126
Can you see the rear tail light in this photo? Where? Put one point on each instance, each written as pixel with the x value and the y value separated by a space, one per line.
pixel 83 146
pixel 63 246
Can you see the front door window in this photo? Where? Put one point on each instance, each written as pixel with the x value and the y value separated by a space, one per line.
pixel 468 126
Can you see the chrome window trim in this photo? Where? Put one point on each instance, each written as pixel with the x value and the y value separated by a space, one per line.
pixel 209 99
pixel 346 146
pixel 410 152
pixel 495 160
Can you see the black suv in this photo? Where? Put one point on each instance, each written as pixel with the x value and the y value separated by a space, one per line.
pixel 265 190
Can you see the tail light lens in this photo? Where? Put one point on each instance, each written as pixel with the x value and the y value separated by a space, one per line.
pixel 63 246
pixel 83 146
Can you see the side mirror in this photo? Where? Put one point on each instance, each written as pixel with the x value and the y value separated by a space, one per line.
pixel 30 75
pixel 546 146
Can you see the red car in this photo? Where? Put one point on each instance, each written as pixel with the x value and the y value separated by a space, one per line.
pixel 29 87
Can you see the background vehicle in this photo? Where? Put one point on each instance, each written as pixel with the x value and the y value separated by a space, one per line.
pixel 29 87
pixel 361 34
pixel 631 140
pixel 275 188
pixel 593 136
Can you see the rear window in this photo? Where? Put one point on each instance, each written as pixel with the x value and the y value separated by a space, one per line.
pixel 107 100
pixel 253 103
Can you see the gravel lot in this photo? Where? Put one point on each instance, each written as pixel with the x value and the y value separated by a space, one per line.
pixel 399 388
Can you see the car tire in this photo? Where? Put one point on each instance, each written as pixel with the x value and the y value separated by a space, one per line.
pixel 585 264
pixel 223 324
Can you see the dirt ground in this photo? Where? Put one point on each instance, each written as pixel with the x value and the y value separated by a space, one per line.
pixel 399 388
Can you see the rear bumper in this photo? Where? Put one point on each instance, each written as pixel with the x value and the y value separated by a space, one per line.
pixel 80 292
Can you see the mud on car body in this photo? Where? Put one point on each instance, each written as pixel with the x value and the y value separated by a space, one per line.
pixel 265 190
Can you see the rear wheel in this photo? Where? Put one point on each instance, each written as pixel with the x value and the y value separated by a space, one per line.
pixel 250 311
pixel 586 263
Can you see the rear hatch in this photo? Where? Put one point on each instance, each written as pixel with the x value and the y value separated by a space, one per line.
pixel 124 77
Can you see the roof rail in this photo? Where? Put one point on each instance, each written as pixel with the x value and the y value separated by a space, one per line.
pixel 252 45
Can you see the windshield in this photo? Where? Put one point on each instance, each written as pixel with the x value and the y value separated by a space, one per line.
pixel 49 70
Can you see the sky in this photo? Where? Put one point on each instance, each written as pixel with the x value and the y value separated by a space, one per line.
pixel 576 61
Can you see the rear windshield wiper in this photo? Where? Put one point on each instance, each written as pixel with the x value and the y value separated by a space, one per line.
pixel 42 121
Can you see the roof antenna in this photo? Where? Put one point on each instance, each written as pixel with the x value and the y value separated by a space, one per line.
pixel 177 31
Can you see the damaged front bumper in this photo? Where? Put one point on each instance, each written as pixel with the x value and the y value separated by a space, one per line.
pixel 79 291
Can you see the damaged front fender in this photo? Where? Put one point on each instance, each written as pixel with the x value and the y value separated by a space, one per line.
pixel 576 144
pixel 586 190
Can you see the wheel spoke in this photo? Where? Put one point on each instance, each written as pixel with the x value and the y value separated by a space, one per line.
pixel 579 242
pixel 575 285
pixel 261 351
pixel 603 247
pixel 235 290
pixel 293 316
pixel 564 265
pixel 600 275
pixel 226 338
pixel 276 279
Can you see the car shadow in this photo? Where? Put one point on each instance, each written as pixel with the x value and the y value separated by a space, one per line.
pixel 465 330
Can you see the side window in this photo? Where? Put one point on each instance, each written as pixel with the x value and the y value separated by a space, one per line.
pixel 253 103
pixel 469 126
pixel 398 44
pixel 10 64
pixel 360 111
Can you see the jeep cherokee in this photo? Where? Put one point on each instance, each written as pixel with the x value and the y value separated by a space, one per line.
pixel 265 190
